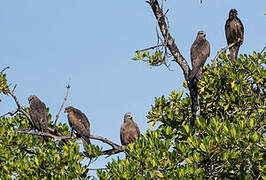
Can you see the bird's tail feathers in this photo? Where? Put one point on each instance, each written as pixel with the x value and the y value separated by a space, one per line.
pixel 193 73
pixel 234 53
pixel 86 141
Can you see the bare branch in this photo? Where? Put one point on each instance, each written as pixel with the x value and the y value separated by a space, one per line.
pixel 11 113
pixel 170 43
pixel 220 52
pixel 263 50
pixel 153 47
pixel 163 23
pixel 4 70
pixel 65 99
pixel 43 134
pixel 115 147
pixel 95 169
pixel 20 109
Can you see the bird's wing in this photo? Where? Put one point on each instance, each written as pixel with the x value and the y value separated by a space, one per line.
pixel 137 129
pixel 240 29
pixel 228 34
pixel 122 133
pixel 83 119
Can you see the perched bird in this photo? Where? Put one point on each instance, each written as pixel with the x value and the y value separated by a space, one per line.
pixel 199 52
pixel 234 31
pixel 129 131
pixel 78 122
pixel 38 113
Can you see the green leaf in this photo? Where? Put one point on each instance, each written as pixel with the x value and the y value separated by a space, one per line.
pixel 233 132
pixel 255 137
pixel 135 59
pixel 202 147
pixel 186 128
pixel 251 123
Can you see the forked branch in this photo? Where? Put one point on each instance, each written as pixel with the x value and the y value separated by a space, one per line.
pixel 169 40
pixel 115 147
pixel 57 137
pixel 62 105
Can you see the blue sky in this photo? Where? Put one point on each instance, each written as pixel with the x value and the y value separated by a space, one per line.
pixel 47 42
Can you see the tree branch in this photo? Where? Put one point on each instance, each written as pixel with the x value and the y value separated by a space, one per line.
pixel 169 41
pixel 153 47
pixel 65 99
pixel 4 70
pixel 178 58
pixel 11 113
pixel 115 147
pixel 262 50
pixel 20 109
pixel 214 64
pixel 44 134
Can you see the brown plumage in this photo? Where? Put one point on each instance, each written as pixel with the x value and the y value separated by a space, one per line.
pixel 199 52
pixel 38 113
pixel 129 131
pixel 79 122
pixel 234 31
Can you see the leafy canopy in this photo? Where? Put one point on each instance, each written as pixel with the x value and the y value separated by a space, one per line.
pixel 228 141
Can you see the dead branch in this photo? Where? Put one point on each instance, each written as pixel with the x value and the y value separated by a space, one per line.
pixel 214 64
pixel 4 70
pixel 153 47
pixel 11 113
pixel 115 147
pixel 263 50
pixel 44 134
pixel 20 109
pixel 168 39
pixel 163 23
pixel 65 99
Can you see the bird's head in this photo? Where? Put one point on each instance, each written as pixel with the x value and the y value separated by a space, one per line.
pixel 232 13
pixel 128 116
pixel 68 109
pixel 32 97
pixel 201 34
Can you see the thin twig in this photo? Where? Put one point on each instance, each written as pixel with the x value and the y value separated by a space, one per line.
pixel 44 134
pixel 115 147
pixel 4 70
pixel 220 52
pixel 153 47
pixel 20 109
pixel 168 39
pixel 95 169
pixel 263 50
pixel 11 113
pixel 62 105
pixel 14 88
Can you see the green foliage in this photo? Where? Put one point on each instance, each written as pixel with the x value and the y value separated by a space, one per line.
pixel 3 84
pixel 228 141
pixel 155 59
pixel 27 156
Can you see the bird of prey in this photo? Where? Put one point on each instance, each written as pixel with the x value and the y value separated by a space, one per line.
pixel 38 113
pixel 199 52
pixel 129 131
pixel 234 31
pixel 78 122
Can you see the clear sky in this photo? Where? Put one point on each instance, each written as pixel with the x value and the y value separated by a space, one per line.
pixel 47 42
